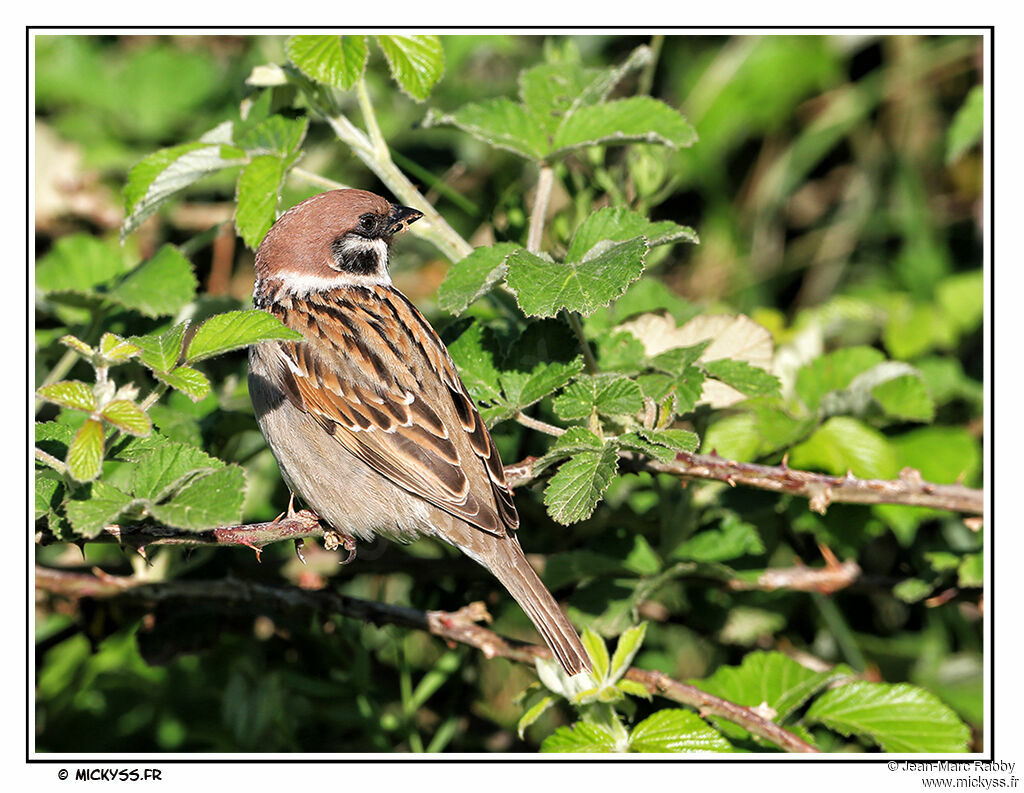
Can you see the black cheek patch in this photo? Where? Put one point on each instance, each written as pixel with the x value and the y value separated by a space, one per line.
pixel 350 259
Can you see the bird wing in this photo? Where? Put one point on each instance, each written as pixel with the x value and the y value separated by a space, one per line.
pixel 373 372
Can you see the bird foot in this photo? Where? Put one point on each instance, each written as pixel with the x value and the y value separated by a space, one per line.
pixel 335 539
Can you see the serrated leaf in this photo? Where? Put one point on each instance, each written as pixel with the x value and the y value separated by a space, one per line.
pixel 159 471
pixel 572 441
pixel 417 62
pixel 580 737
pixel 610 394
pixel 662 445
pixel 275 135
pixel 235 329
pixel 209 500
pixel 127 417
pixel 117 350
pixel 522 389
pixel 634 689
pixel 162 174
pixel 534 713
pixel 619 224
pixel 160 286
pixel 69 394
pixel 501 123
pixel 626 649
pixel 544 288
pixel 899 718
pixel 844 444
pixel 100 508
pixel 905 397
pixel 85 455
pixel 161 351
pixel 78 263
pixel 53 437
pixel 971 571
pixel 48 490
pixel 473 276
pixel 476 364
pixel 189 381
pixel 676 730
pixel 598 653
pixel 911 590
pixel 79 346
pixel 638 118
pixel 258 194
pixel 748 380
pixel 834 372
pixel 333 60
pixel 767 677
pixel 733 437
pixel 579 484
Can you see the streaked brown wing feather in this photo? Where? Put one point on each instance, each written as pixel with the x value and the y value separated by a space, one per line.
pixel 378 379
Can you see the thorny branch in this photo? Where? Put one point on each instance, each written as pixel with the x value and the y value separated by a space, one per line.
pixel 454 627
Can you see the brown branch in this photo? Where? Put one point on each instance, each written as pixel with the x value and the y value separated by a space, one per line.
pixel 821 489
pixel 460 627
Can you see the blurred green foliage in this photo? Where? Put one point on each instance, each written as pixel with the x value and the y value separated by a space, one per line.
pixel 836 189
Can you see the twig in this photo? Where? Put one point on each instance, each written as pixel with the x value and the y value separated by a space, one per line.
pixel 457 627
pixel 537 424
pixel 542 196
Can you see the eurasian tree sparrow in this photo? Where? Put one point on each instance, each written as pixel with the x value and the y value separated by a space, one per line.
pixel 367 416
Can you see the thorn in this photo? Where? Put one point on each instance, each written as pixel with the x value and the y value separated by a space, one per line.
pixel 141 549
pixel 298 549
pixel 731 481
pixel 831 561
pixel 785 461
pixel 81 547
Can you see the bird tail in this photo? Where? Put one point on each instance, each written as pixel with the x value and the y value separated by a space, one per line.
pixel 508 564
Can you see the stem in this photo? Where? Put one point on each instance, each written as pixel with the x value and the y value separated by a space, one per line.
pixel 380 145
pixel 317 179
pixel 577 327
pixel 154 395
pixel 537 424
pixel 647 76
pixel 51 461
pixel 545 182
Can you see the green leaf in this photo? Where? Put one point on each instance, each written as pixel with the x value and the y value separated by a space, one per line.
pixel 844 444
pixel 209 500
pixel 69 394
pixel 572 441
pixel 417 62
pixel 745 378
pixel 639 118
pixel 899 718
pixel 100 508
pixel 85 455
pixel 162 174
pixel 53 438
pixel 160 286
pixel 78 263
pixel 662 445
pixel 163 468
pixel 501 123
pixel 965 131
pixel 474 276
pixel 834 372
pixel 579 484
pixel 127 417
pixel 971 572
pixel 476 364
pixel 275 135
pixel 732 539
pixel 259 193
pixel 905 397
pixel 610 394
pixel 911 590
pixel 332 60
pixel 598 653
pixel 733 437
pixel 767 677
pixel 580 737
pixel 626 649
pixel 161 351
pixel 533 713
pixel 234 329
pixel 544 288
pixel 676 730
pixel 48 491
pixel 189 381
pixel 117 350
pixel 962 298
pixel 619 224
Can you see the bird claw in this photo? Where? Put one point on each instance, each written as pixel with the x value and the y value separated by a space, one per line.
pixel 335 539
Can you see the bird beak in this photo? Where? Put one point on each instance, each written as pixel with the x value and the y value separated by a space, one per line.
pixel 401 217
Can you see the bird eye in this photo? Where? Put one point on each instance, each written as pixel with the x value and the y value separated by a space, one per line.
pixel 368 222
